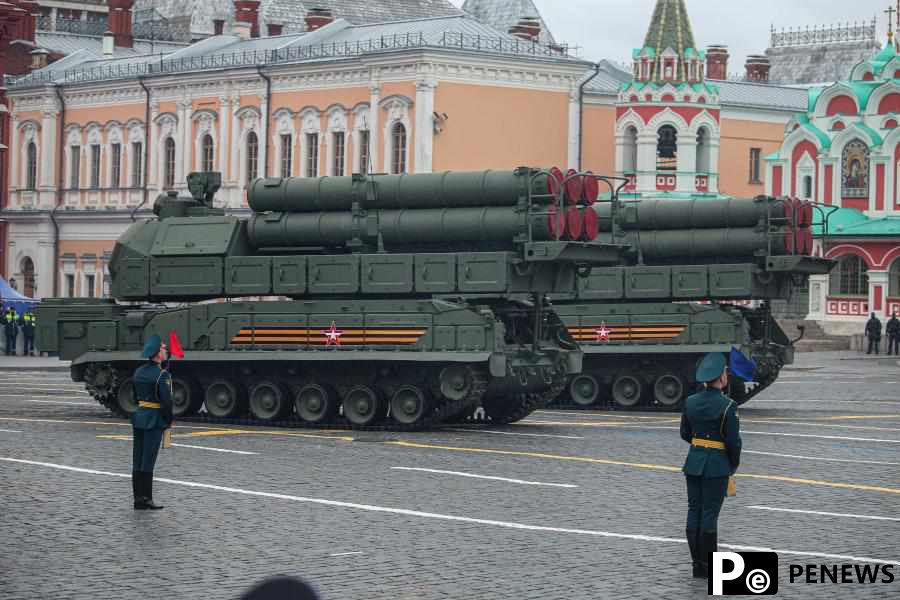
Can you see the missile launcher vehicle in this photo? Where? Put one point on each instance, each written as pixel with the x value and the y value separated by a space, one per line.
pixel 396 302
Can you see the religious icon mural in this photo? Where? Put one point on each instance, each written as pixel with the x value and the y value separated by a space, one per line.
pixel 855 170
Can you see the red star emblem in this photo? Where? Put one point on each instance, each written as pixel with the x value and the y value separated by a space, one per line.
pixel 333 335
pixel 603 332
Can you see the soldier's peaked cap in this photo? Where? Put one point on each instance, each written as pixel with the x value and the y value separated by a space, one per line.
pixel 711 367
pixel 151 347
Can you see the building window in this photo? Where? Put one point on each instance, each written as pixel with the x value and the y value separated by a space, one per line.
pixel 338 166
pixel 137 164
pixel 703 151
pixel 364 166
pixel 31 175
pixel 252 157
pixel 312 154
pixel 89 281
pixel 755 157
pixel 95 166
pixel 398 137
pixel 630 156
pixel 169 164
pixel 70 285
pixel 208 153
pixel 75 167
pixel 287 155
pixel 850 277
pixel 116 166
pixel 667 149
pixel 807 187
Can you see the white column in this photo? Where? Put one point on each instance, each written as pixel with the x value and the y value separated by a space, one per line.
pixel 48 151
pixel 646 162
pixel 714 174
pixel 374 119
pixel 424 139
pixel 224 142
pixel 818 295
pixel 151 143
pixel 43 270
pixel 687 163
pixel 234 151
pixel 187 129
pixel 574 129
pixel 620 155
pixel 263 136
pixel 14 152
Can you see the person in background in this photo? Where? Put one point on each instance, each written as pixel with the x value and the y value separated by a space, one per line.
pixel 893 333
pixel 710 425
pixel 29 326
pixel 873 332
pixel 11 329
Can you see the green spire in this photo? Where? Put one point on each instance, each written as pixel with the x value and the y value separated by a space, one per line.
pixel 670 28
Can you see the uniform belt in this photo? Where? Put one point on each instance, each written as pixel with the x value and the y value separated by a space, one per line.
pixel 708 443
pixel 144 404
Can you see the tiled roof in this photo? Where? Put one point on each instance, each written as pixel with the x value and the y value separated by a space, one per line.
pixel 503 14
pixel 291 13
pixel 67 43
pixel 670 28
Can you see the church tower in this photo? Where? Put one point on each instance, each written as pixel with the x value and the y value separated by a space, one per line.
pixel 667 117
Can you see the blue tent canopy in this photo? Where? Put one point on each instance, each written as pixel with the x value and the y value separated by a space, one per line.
pixel 10 297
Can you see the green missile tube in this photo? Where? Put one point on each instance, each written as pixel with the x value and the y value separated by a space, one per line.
pixel 656 214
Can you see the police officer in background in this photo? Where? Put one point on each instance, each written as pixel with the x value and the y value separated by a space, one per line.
pixel 11 329
pixel 710 425
pixel 153 390
pixel 893 333
pixel 29 324
pixel 873 332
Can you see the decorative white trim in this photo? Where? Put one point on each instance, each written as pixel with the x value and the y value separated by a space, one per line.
pixel 336 122
pixel 397 111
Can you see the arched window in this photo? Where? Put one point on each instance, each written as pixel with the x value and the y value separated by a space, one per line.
pixel 398 141
pixel 849 277
pixel 28 276
pixel 208 152
pixel 855 170
pixel 703 150
pixel 169 164
pixel 807 187
pixel 31 166
pixel 630 164
pixel 667 149
pixel 894 279
pixel 252 156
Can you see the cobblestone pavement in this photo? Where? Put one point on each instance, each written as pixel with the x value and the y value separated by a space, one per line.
pixel 368 516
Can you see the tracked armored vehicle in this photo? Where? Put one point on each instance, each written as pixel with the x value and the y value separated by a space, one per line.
pixel 641 349
pixel 392 302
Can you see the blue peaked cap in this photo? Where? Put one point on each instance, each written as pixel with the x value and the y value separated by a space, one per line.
pixel 151 347
pixel 711 367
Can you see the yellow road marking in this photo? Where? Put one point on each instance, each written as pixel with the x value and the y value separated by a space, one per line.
pixel 596 423
pixel 804 424
pixel 587 413
pixel 225 432
pixel 647 466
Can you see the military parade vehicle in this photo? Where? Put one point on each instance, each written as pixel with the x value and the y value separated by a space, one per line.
pixel 641 349
pixel 383 301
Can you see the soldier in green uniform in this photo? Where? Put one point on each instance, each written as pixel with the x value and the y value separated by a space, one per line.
pixel 710 425
pixel 153 390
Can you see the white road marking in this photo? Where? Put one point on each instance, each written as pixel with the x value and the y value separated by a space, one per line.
pixel 546 435
pixel 55 396
pixel 777 433
pixel 490 477
pixel 825 401
pixel 843 460
pixel 825 514
pixel 453 518
pixel 214 449
pixel 10 430
pixel 347 554
pixel 65 402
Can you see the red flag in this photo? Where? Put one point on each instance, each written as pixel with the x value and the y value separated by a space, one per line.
pixel 175 348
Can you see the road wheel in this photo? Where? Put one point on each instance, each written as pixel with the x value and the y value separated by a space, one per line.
pixel 268 402
pixel 668 390
pixel 584 389
pixel 126 400
pixel 186 399
pixel 362 406
pixel 223 399
pixel 409 405
pixel 455 382
pixel 627 390
pixel 315 403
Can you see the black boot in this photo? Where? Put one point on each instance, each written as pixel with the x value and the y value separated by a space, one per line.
pixel 148 492
pixel 709 542
pixel 137 488
pixel 693 540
